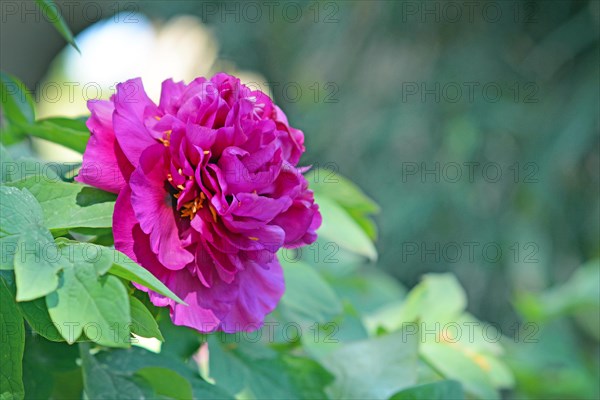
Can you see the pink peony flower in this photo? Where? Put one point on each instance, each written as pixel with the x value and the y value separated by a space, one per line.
pixel 208 192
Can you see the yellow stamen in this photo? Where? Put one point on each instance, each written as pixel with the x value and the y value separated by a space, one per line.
pixel 213 212
pixel 166 140
pixel 253 238
pixel 190 208
pixel 206 152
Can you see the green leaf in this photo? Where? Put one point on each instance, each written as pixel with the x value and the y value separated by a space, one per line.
pixel 238 365
pixel 99 256
pixel 142 322
pixel 5 160
pixel 12 335
pixel 339 227
pixel 375 368
pixel 368 289
pixel 71 133
pixel 308 298
pixel 19 212
pixel 86 303
pixel 580 292
pixel 35 312
pixel 180 341
pixel 453 363
pixel 326 183
pixel 124 267
pixel 341 190
pixel 50 369
pixel 166 382
pixel 442 390
pixel 17 108
pixel 37 316
pixel 452 342
pixel 37 262
pixel 52 12
pixel 126 362
pixel 100 381
pixel 438 298
pixel 86 206
pixel 13 170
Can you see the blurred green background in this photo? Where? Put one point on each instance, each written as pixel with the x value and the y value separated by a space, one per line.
pixel 474 126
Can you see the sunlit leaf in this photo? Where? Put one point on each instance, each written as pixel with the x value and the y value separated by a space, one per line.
pixel 142 322
pixel 339 227
pixel 19 212
pixel 87 303
pixel 86 206
pixel 166 382
pixel 37 263
pixel 71 133
pixel 124 267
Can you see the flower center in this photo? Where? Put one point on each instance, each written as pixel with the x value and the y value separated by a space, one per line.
pixel 166 139
pixel 190 208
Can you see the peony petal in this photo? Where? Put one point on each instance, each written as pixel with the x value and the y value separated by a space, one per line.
pixel 134 111
pixel 153 208
pixel 204 305
pixel 103 161
pixel 259 292
pixel 130 240
pixel 170 96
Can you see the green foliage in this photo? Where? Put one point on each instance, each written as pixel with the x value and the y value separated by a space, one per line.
pixel 52 12
pixel 344 230
pixel 307 298
pixel 97 302
pixel 12 334
pixel 347 195
pixel 142 321
pixel 17 108
pixel 88 207
pixel 453 343
pixel 239 365
pixel 443 390
pixel 36 272
pixel 126 363
pixel 548 347
pixel 19 213
pixel 389 360
pixel 71 133
pixel 124 267
pixel 578 294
